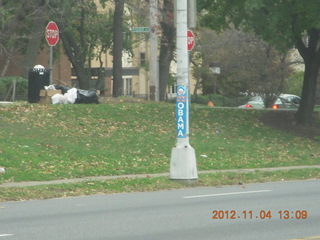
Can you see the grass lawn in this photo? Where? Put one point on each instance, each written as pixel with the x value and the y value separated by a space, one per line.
pixel 48 142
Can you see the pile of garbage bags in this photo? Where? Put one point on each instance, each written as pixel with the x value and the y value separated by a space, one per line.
pixel 73 95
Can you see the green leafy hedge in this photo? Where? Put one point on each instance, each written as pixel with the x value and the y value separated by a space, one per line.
pixel 219 100
pixel 21 87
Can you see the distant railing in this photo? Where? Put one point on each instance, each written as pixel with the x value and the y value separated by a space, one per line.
pixel 220 100
pixel 5 97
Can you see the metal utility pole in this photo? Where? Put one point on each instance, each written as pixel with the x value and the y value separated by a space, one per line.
pixel 154 63
pixel 183 160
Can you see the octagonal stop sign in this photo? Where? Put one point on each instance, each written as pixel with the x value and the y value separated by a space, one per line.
pixel 191 40
pixel 52 33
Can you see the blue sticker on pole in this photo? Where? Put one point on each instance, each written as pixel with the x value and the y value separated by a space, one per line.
pixel 181 112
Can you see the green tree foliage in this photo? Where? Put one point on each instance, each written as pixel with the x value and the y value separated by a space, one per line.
pixel 294 83
pixel 85 29
pixel 140 11
pixel 17 21
pixel 282 23
pixel 6 87
pixel 86 34
pixel 248 64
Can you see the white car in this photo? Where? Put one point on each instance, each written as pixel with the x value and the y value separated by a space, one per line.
pixel 287 101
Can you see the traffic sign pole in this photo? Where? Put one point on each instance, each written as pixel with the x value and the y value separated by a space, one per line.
pixel 183 160
pixel 153 55
pixel 52 37
pixel 51 63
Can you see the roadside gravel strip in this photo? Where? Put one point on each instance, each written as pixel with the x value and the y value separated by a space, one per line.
pixel 132 176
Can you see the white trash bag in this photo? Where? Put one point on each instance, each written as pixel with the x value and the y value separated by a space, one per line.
pixel 71 95
pixel 59 99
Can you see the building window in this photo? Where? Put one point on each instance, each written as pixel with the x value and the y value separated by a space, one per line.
pixel 171 91
pixel 172 88
pixel 142 59
pixel 127 86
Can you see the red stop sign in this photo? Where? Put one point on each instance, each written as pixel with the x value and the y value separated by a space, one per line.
pixel 52 33
pixel 191 40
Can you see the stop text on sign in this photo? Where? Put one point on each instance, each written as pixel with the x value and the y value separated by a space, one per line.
pixel 52 33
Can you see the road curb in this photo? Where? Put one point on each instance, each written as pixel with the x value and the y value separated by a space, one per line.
pixel 133 176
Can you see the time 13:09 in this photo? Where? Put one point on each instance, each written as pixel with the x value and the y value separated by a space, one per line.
pixel 299 214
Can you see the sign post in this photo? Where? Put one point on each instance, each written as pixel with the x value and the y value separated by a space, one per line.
pixel 183 160
pixel 153 53
pixel 52 37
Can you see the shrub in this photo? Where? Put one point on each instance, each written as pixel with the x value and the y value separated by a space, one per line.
pixel 6 87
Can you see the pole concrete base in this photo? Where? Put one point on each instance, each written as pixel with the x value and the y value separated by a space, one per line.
pixel 183 164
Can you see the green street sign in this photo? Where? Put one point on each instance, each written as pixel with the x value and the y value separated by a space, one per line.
pixel 140 29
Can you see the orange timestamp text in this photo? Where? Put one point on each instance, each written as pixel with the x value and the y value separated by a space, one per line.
pixel 261 214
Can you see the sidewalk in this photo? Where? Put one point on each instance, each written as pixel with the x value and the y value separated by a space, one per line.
pixel 132 176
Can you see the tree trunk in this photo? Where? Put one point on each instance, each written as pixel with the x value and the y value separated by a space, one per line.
pixel 7 63
pixel 304 115
pixel 165 58
pixel 78 63
pixel 117 48
pixel 167 47
pixel 83 76
pixel 100 85
pixel 311 56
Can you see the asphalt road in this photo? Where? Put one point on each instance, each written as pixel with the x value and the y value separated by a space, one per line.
pixel 284 210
